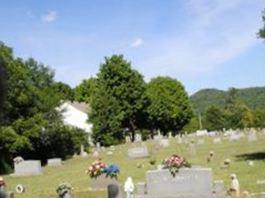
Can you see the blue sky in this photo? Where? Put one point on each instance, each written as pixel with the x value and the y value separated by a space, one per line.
pixel 202 43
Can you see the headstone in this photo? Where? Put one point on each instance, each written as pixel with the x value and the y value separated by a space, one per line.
pixel 95 154
pixel 112 148
pixel 200 141
pixel 219 189
pixel 141 188
pixel 138 137
pixel 55 162
pixel 217 140
pixel 234 137
pixel 4 194
pixel 188 183
pixel 103 149
pixel 102 182
pixel 113 191
pixel 98 146
pixel 83 153
pixel 192 149
pixel 169 135
pixel 138 152
pixel 252 137
pixel 28 167
pixel 164 143
pixel 109 153
pixel 179 140
pixel 127 139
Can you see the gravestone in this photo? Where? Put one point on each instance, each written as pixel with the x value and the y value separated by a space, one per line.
pixel 192 149
pixel 138 137
pixel 113 191
pixel 217 140
pixel 109 153
pixel 102 182
pixel 28 167
pixel 127 139
pixel 138 152
pixel 188 183
pixel 252 137
pixel 200 141
pixel 164 143
pixel 55 162
pixel 141 188
pixel 83 153
pixel 112 148
pixel 219 189
pixel 95 154
pixel 98 146
pixel 179 140
pixel 234 137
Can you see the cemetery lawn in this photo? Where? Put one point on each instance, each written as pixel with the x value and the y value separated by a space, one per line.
pixel 73 170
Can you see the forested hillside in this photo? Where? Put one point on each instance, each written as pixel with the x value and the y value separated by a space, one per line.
pixel 254 97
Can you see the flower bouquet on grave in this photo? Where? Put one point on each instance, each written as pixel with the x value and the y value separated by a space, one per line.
pixel 96 169
pixel 174 163
pixel 64 190
pixel 112 171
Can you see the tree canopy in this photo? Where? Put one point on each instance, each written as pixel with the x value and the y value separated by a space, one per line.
pixel 117 102
pixel 31 126
pixel 169 108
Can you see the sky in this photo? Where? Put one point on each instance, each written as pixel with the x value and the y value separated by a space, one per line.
pixel 201 43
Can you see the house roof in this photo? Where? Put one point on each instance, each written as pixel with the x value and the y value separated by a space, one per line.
pixel 81 106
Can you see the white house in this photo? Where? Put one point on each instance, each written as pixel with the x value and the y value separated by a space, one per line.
pixel 75 114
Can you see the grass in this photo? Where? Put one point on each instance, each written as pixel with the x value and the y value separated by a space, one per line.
pixel 73 170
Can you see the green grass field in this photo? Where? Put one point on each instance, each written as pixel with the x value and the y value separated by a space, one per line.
pixel 73 170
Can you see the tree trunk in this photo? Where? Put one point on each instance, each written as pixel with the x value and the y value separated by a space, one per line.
pixel 133 130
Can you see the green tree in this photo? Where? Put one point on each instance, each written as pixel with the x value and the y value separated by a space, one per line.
pixel 31 125
pixel 169 108
pixel 2 89
pixel 117 102
pixel 85 90
pixel 215 118
pixel 65 92
pixel 259 118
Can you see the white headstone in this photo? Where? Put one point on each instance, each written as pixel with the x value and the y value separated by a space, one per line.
pixel 164 143
pixel 28 167
pixel 252 137
pixel 138 152
pixel 200 141
pixel 55 162
pixel 217 140
pixel 194 182
pixel 138 137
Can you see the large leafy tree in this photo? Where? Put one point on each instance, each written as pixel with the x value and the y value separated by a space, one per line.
pixel 215 117
pixel 84 91
pixel 117 102
pixel 169 108
pixel 2 89
pixel 31 125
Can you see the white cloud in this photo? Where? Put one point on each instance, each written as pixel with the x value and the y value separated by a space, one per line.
pixel 137 43
pixel 49 17
pixel 217 33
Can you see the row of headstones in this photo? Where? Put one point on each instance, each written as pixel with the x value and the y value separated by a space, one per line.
pixel 33 167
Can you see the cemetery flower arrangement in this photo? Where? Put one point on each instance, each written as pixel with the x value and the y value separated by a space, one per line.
pixel 96 169
pixel 112 171
pixel 2 182
pixel 63 189
pixel 174 163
